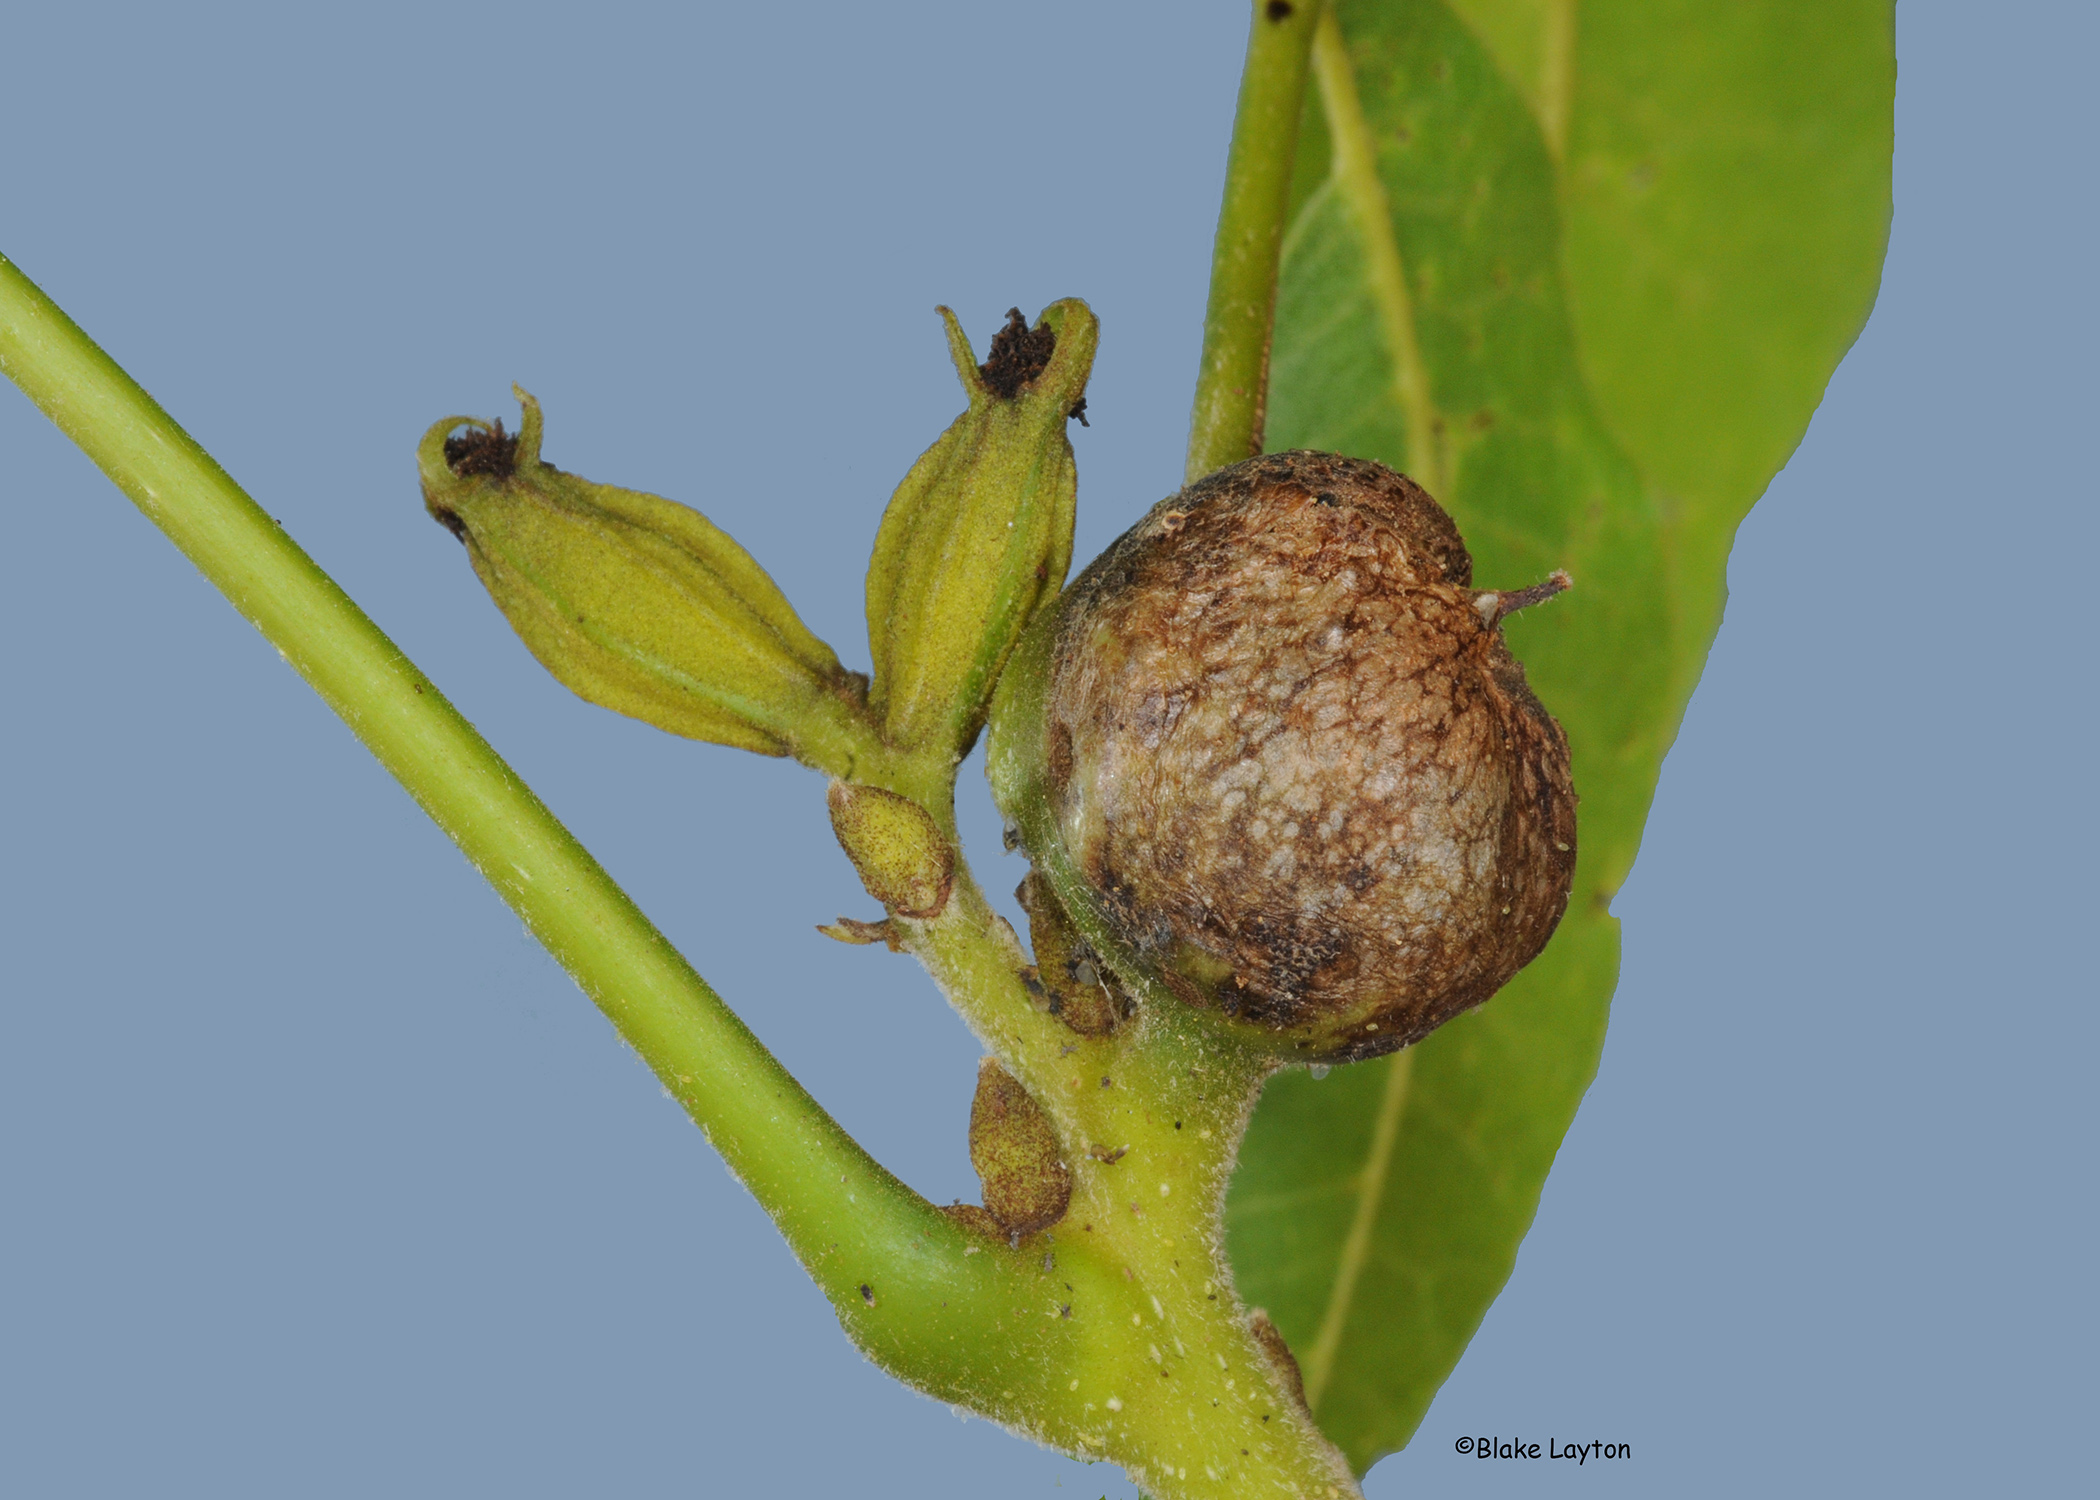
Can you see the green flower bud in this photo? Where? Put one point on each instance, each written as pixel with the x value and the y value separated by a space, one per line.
pixel 636 603
pixel 980 531
pixel 903 858
pixel 1273 754
pixel 1013 1146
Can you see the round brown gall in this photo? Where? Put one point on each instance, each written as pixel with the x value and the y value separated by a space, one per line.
pixel 1288 766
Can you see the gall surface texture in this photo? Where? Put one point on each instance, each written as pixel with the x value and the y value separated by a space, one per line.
pixel 1295 765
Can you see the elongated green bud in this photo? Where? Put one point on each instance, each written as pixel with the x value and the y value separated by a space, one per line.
pixel 636 603
pixel 980 531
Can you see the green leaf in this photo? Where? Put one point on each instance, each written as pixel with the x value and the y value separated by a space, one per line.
pixel 1727 207
pixel 1584 275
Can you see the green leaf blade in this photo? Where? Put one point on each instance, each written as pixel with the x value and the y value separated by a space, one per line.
pixel 1379 1278
pixel 1334 351
pixel 1727 198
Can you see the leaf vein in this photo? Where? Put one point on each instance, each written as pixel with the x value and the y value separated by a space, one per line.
pixel 1370 1188
pixel 1356 176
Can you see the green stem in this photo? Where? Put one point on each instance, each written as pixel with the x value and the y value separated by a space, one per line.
pixel 1101 1336
pixel 847 1218
pixel 1233 385
pixel 1165 1375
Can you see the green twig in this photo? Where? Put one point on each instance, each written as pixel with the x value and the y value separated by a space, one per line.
pixel 847 1218
pixel 1100 1336
pixel 1232 387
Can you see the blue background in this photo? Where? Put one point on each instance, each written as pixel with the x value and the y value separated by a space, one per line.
pixel 318 1178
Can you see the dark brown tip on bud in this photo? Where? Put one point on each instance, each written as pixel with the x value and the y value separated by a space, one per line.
pixel 1497 607
pixel 1019 354
pixel 481 450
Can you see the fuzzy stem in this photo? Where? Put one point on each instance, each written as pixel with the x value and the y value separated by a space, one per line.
pixel 1099 1336
pixel 1167 1378
pixel 1232 386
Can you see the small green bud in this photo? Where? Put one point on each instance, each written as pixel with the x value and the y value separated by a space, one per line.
pixel 903 858
pixel 1013 1146
pixel 980 531
pixel 636 603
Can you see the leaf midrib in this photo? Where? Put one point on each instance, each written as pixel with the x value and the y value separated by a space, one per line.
pixel 1370 1188
pixel 1354 164
pixel 1556 82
